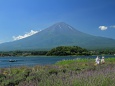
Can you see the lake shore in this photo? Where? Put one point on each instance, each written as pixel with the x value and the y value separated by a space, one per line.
pixel 37 60
pixel 64 73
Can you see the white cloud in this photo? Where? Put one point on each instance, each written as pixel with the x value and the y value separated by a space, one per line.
pixel 32 32
pixel 103 27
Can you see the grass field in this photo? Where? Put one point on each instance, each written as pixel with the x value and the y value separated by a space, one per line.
pixel 77 72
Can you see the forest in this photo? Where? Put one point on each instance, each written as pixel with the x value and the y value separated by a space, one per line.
pixel 59 51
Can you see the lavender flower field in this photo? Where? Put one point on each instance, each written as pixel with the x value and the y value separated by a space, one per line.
pixel 77 72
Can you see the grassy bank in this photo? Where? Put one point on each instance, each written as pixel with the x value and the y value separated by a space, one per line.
pixel 77 72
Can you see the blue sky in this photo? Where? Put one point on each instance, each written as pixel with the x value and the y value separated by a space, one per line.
pixel 19 17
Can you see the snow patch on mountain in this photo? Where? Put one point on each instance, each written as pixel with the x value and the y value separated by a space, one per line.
pixel 70 27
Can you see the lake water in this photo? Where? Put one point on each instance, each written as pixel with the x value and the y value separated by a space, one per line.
pixel 40 60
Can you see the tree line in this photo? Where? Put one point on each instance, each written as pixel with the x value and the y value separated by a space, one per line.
pixel 67 50
pixel 23 53
pixel 59 51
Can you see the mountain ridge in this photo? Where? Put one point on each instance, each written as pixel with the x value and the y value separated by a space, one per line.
pixel 59 34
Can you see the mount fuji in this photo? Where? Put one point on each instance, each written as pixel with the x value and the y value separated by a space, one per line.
pixel 59 34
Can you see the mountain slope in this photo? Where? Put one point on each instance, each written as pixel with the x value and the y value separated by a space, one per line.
pixel 59 34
